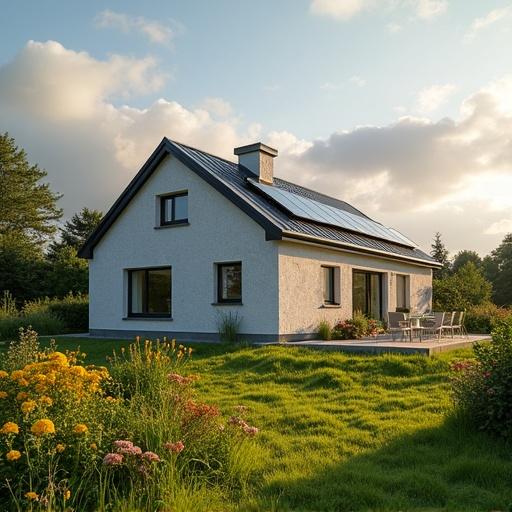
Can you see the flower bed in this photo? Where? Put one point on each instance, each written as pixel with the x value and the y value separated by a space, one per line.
pixel 85 437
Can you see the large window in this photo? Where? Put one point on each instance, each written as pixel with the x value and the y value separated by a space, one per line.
pixel 229 282
pixel 149 292
pixel 367 293
pixel 174 209
pixel 401 292
pixel 331 285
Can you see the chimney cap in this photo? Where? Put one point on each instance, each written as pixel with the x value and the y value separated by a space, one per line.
pixel 252 148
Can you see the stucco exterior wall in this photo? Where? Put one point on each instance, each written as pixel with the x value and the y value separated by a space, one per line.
pixel 218 231
pixel 301 306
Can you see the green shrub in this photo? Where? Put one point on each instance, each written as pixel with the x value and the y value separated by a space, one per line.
pixel 324 330
pixel 44 323
pixel 483 318
pixel 73 310
pixel 356 327
pixel 482 388
pixel 228 325
pixel 7 305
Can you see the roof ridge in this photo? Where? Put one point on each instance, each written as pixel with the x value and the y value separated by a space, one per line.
pixel 200 151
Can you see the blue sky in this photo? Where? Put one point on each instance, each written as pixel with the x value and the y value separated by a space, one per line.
pixel 295 73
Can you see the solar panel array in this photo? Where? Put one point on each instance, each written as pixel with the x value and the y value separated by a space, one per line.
pixel 310 209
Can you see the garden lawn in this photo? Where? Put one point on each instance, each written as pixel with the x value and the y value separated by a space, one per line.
pixel 345 432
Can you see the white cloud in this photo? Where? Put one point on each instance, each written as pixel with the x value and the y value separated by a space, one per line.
pixel 486 21
pixel 155 31
pixel 345 10
pixel 431 98
pixel 357 80
pixel 394 28
pixel 500 227
pixel 217 107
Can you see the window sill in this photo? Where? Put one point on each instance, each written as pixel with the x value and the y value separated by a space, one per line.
pixel 331 306
pixel 227 303
pixel 157 318
pixel 175 225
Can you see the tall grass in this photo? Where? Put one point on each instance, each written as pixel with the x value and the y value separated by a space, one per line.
pixel 228 325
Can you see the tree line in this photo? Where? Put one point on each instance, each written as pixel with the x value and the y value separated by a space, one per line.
pixel 37 258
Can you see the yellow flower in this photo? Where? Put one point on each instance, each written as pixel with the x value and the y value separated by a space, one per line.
pixel 46 400
pixel 17 374
pixel 59 358
pixel 3 374
pixel 22 395
pixel 67 494
pixel 80 428
pixel 3 394
pixel 41 427
pixel 93 446
pixel 13 455
pixel 60 447
pixel 31 495
pixel 28 406
pixel 10 428
pixel 23 382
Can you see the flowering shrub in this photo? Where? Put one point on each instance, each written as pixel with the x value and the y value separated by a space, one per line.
pixel 356 327
pixel 75 437
pixel 483 388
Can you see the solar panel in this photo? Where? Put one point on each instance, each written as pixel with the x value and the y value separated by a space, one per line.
pixel 310 209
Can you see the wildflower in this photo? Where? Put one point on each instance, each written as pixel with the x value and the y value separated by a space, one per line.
pixel 127 447
pixel 93 446
pixel 13 455
pixel 80 428
pixel 41 427
pixel 58 357
pixel 28 406
pixel 240 409
pixel 150 457
pixel 3 374
pixel 60 447
pixel 112 459
pixel 10 428
pixel 67 494
pixel 251 431
pixel 23 382
pixel 22 395
pixel 3 394
pixel 46 400
pixel 175 447
pixel 17 374
pixel 31 495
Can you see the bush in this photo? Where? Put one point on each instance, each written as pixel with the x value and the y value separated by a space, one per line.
pixel 228 325
pixel 482 388
pixel 324 330
pixel 482 319
pixel 73 310
pixel 133 438
pixel 44 322
pixel 356 327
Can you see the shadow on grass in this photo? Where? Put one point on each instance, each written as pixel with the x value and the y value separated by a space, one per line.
pixel 449 467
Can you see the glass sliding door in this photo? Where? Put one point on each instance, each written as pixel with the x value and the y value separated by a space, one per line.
pixel 367 293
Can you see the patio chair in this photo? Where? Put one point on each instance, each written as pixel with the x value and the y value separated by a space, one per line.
pixel 397 323
pixel 448 322
pixel 434 326
pixel 458 323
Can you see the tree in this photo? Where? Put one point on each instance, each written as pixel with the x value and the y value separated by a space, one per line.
pixel 77 230
pixel 28 207
pixel 66 273
pixel 465 288
pixel 498 269
pixel 440 254
pixel 465 256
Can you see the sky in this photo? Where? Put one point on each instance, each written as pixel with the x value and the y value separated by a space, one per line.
pixel 401 107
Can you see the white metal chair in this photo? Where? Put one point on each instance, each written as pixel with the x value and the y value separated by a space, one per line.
pixel 458 323
pixel 434 325
pixel 397 323
pixel 448 322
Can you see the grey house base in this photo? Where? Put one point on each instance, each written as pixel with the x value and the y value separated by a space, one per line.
pixel 199 336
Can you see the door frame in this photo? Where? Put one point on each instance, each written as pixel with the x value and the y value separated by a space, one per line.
pixel 368 285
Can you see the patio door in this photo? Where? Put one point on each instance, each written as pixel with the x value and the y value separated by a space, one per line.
pixel 367 293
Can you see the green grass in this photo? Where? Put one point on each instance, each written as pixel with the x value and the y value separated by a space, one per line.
pixel 347 432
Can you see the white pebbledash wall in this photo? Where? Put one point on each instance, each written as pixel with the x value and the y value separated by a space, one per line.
pixel 301 305
pixel 218 231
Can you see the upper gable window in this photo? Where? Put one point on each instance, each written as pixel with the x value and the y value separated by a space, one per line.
pixel 174 209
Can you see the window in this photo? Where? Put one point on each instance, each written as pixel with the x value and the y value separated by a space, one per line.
pixel 367 293
pixel 331 285
pixel 401 292
pixel 229 282
pixel 149 292
pixel 174 209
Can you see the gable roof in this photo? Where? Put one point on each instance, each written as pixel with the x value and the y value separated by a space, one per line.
pixel 231 180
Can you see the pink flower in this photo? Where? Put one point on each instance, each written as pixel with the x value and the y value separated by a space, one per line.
pixel 150 457
pixel 112 459
pixel 237 422
pixel 127 448
pixel 175 447
pixel 240 409
pixel 251 431
pixel 179 379
pixel 123 444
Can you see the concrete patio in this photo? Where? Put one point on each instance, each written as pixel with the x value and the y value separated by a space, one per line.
pixel 384 344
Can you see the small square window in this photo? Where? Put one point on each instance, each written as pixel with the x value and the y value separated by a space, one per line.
pixel 174 209
pixel 229 282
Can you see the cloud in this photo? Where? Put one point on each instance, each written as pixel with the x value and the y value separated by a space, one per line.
pixel 431 98
pixel 217 106
pixel 486 21
pixel 357 80
pixel 500 227
pixel 155 31
pixel 344 10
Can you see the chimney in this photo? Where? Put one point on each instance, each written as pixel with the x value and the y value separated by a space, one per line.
pixel 258 158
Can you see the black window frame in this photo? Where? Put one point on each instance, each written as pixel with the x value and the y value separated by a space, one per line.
pixel 219 266
pixel 163 201
pixel 368 274
pixel 148 315
pixel 331 301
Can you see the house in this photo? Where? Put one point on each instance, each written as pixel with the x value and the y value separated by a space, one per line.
pixel 194 236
